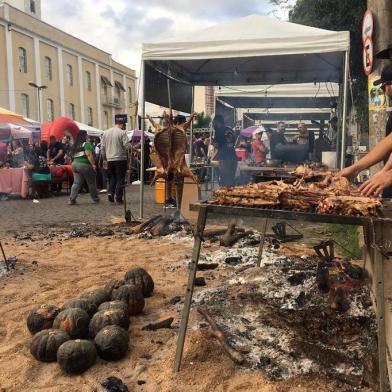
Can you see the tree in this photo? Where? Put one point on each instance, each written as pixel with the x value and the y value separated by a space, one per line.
pixel 202 121
pixel 339 15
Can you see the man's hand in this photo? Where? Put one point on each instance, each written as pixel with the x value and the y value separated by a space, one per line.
pixel 105 165
pixel 349 172
pixel 377 183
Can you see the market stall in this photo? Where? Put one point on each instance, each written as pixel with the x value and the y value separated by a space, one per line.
pixel 253 50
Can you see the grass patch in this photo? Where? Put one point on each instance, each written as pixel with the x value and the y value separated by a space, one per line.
pixel 348 237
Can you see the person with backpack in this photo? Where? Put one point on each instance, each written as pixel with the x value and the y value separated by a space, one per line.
pixel 83 168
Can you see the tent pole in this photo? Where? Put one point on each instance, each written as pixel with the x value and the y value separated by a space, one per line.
pixel 169 96
pixel 191 141
pixel 344 115
pixel 142 141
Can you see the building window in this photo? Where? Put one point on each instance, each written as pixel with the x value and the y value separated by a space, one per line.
pixel 118 94
pixel 71 111
pixel 22 60
pixel 32 7
pixel 129 95
pixel 69 75
pixel 24 99
pixel 88 80
pixel 105 120
pixel 50 109
pixel 90 116
pixel 105 92
pixel 48 68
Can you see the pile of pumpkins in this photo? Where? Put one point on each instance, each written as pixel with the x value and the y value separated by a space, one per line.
pixel 94 324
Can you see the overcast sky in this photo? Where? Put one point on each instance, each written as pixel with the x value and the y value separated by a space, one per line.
pixel 120 26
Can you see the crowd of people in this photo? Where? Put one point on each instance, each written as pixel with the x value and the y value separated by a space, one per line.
pixel 97 163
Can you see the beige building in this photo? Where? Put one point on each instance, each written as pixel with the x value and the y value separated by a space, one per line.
pixel 82 81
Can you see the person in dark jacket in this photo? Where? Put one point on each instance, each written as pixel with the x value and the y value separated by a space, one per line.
pixel 224 141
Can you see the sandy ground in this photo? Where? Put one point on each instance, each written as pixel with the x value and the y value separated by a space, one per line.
pixel 68 267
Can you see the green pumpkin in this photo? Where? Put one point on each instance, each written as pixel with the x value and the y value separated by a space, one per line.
pixel 112 342
pixel 81 303
pixel 45 344
pixel 76 356
pixel 112 285
pixel 74 321
pixel 132 296
pixel 114 305
pixel 42 317
pixel 139 277
pixel 108 317
pixel 97 296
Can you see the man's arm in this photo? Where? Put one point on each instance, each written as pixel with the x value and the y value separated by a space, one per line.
pixel 125 141
pixel 383 149
pixel 58 155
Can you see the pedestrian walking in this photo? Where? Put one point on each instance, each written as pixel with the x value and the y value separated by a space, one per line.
pixel 114 148
pixel 83 167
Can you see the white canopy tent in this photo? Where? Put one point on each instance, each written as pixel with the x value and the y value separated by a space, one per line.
pixel 253 50
pixel 91 131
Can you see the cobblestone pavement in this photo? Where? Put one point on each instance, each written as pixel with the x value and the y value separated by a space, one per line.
pixel 23 215
pixel 18 215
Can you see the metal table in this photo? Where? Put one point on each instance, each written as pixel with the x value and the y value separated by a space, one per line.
pixel 375 251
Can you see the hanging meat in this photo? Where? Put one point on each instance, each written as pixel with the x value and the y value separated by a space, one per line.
pixel 170 144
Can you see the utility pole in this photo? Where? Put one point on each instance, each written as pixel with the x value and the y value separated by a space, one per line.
pixel 38 88
pixel 382 37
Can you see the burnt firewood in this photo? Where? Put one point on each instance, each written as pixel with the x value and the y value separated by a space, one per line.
pixel 233 260
pixel 297 279
pixel 322 278
pixel 209 233
pixel 162 227
pixel 233 354
pixel 230 240
pixel 353 271
pixel 200 281
pixel 207 266
pixel 159 325
pixel 145 225
pixel 175 300
pixel 340 300
pixel 114 384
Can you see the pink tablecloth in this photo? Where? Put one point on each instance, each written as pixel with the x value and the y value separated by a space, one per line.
pixel 14 181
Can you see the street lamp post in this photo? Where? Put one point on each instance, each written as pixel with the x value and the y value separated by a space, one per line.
pixel 39 88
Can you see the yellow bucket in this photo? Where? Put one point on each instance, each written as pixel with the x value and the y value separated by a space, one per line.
pixel 160 191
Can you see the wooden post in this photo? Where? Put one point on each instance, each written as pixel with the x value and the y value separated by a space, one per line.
pixel 382 37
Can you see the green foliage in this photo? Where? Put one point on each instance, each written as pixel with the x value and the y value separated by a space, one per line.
pixel 348 237
pixel 202 121
pixel 339 15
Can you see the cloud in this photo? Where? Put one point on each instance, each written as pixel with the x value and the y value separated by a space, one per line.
pixel 120 27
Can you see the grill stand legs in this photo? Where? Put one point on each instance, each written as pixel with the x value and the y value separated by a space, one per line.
pixel 201 222
pixel 262 240
pixel 373 236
